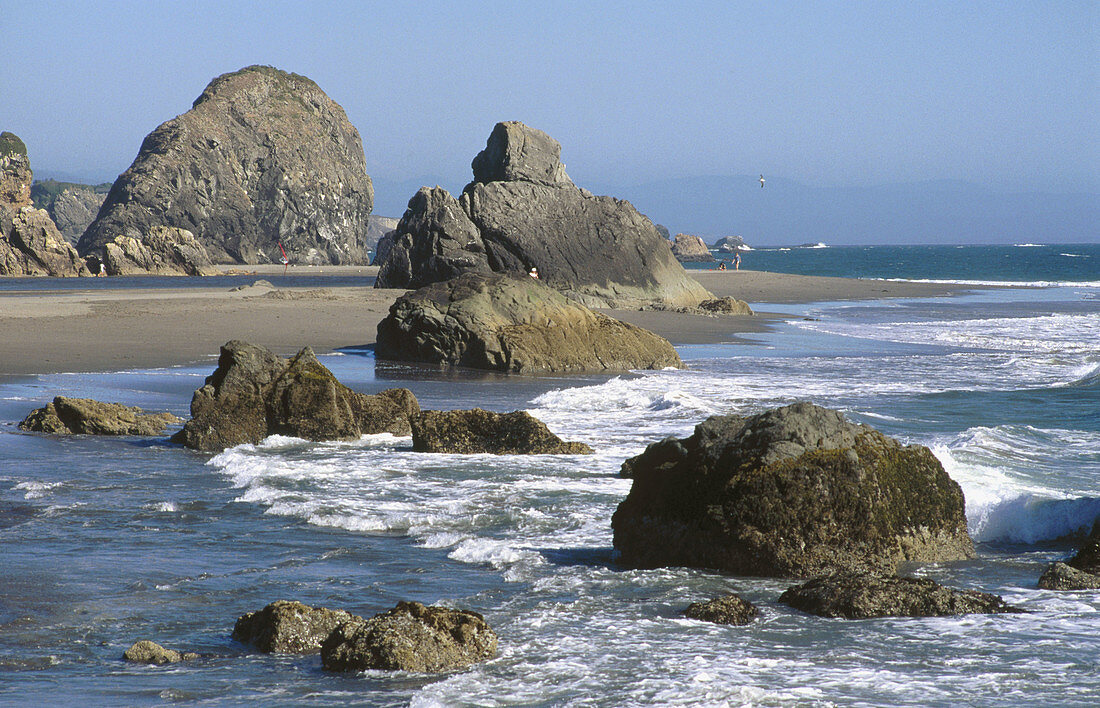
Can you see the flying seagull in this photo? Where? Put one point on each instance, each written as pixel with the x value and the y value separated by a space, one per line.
pixel 761 181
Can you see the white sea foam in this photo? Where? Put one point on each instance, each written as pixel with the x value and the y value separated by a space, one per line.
pixel 1001 283
pixel 37 490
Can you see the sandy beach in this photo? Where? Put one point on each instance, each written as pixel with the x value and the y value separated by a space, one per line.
pixel 92 330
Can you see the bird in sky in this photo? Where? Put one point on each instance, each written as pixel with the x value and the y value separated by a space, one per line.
pixel 761 181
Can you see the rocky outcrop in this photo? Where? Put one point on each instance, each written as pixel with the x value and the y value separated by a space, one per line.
pixel 72 206
pixel 1081 572
pixel 15 172
pixel 254 393
pixel 262 157
pixel 513 323
pixel 411 637
pixel 479 431
pixel 729 244
pixel 793 492
pixel 30 244
pixel 377 227
pixel 728 609
pixel 148 652
pixel 726 306
pixel 863 595
pixel 85 416
pixel 691 249
pixel 163 251
pixel 522 211
pixel 286 627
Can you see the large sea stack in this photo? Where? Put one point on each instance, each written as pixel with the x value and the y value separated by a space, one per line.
pixel 15 172
pixel 262 157
pixel 793 492
pixel 522 211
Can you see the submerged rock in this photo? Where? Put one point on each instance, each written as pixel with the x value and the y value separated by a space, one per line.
pixel 286 627
pixel 162 251
pixel 863 595
pixel 411 637
pixel 728 609
pixel 691 249
pixel 513 323
pixel 793 492
pixel 85 416
pixel 148 652
pixel 254 393
pixel 1081 572
pixel 522 211
pixel 479 431
pixel 263 157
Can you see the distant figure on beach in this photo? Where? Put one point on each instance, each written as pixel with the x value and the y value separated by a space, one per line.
pixel 737 261
pixel 534 273
pixel 721 265
pixel 761 181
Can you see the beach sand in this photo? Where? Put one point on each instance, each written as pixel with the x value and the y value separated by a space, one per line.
pixel 92 330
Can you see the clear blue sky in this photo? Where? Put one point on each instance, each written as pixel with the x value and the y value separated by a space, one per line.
pixel 1001 94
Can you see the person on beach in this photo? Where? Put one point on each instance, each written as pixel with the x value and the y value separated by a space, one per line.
pixel 737 261
pixel 721 265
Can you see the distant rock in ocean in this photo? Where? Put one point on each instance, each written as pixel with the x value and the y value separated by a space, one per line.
pixel 71 206
pixel 263 157
pixel 729 244
pixel 691 249
pixel 796 491
pixel 522 211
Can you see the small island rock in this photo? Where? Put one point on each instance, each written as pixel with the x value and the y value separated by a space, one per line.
pixel 864 595
pixel 148 652
pixel 86 416
pixel 479 431
pixel 287 627
pixel 728 609
pixel 1081 572
pixel 411 637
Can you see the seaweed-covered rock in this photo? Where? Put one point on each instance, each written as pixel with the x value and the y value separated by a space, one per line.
pixel 162 251
pixel 263 157
pixel 863 595
pixel 411 637
pixel 728 609
pixel 793 492
pixel 287 627
pixel 513 323
pixel 726 306
pixel 148 652
pixel 254 393
pixel 479 431
pixel 522 211
pixel 1081 572
pixel 86 416
pixel 691 249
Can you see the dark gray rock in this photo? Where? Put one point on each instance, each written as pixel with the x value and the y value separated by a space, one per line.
pixel 286 627
pixel 863 595
pixel 163 251
pixel 85 416
pixel 262 157
pixel 479 431
pixel 1081 572
pixel 729 244
pixel 148 652
pixel 728 609
pixel 30 244
pixel 691 249
pixel 411 637
pixel 513 323
pixel 254 393
pixel 522 212
pixel 793 492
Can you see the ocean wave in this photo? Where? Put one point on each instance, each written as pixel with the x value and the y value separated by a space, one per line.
pixel 1029 245
pixel 999 283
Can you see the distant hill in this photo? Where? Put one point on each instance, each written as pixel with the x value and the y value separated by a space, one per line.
pixel 787 212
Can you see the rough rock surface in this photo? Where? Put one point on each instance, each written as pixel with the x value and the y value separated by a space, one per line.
pixel 71 206
pixel 793 492
pixel 15 172
pixel 479 431
pixel 86 416
pixel 1081 572
pixel 729 244
pixel 728 609
pixel 411 637
pixel 287 627
pixel 30 244
pixel 263 156
pixel 254 393
pixel 863 595
pixel 513 323
pixel 726 306
pixel 163 251
pixel 691 249
pixel 522 211
pixel 377 227
pixel 148 652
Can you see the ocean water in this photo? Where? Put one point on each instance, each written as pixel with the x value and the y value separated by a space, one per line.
pixel 107 541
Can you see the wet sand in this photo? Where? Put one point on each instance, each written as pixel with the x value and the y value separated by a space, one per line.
pixel 86 330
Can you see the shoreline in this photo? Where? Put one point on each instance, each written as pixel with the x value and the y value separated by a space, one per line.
pixel 99 330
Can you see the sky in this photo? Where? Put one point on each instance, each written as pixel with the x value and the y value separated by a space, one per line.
pixel 1004 95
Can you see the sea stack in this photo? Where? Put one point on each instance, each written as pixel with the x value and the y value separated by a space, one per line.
pixel 521 212
pixel 263 157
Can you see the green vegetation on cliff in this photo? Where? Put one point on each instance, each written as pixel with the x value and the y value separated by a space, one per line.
pixel 45 192
pixel 10 144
